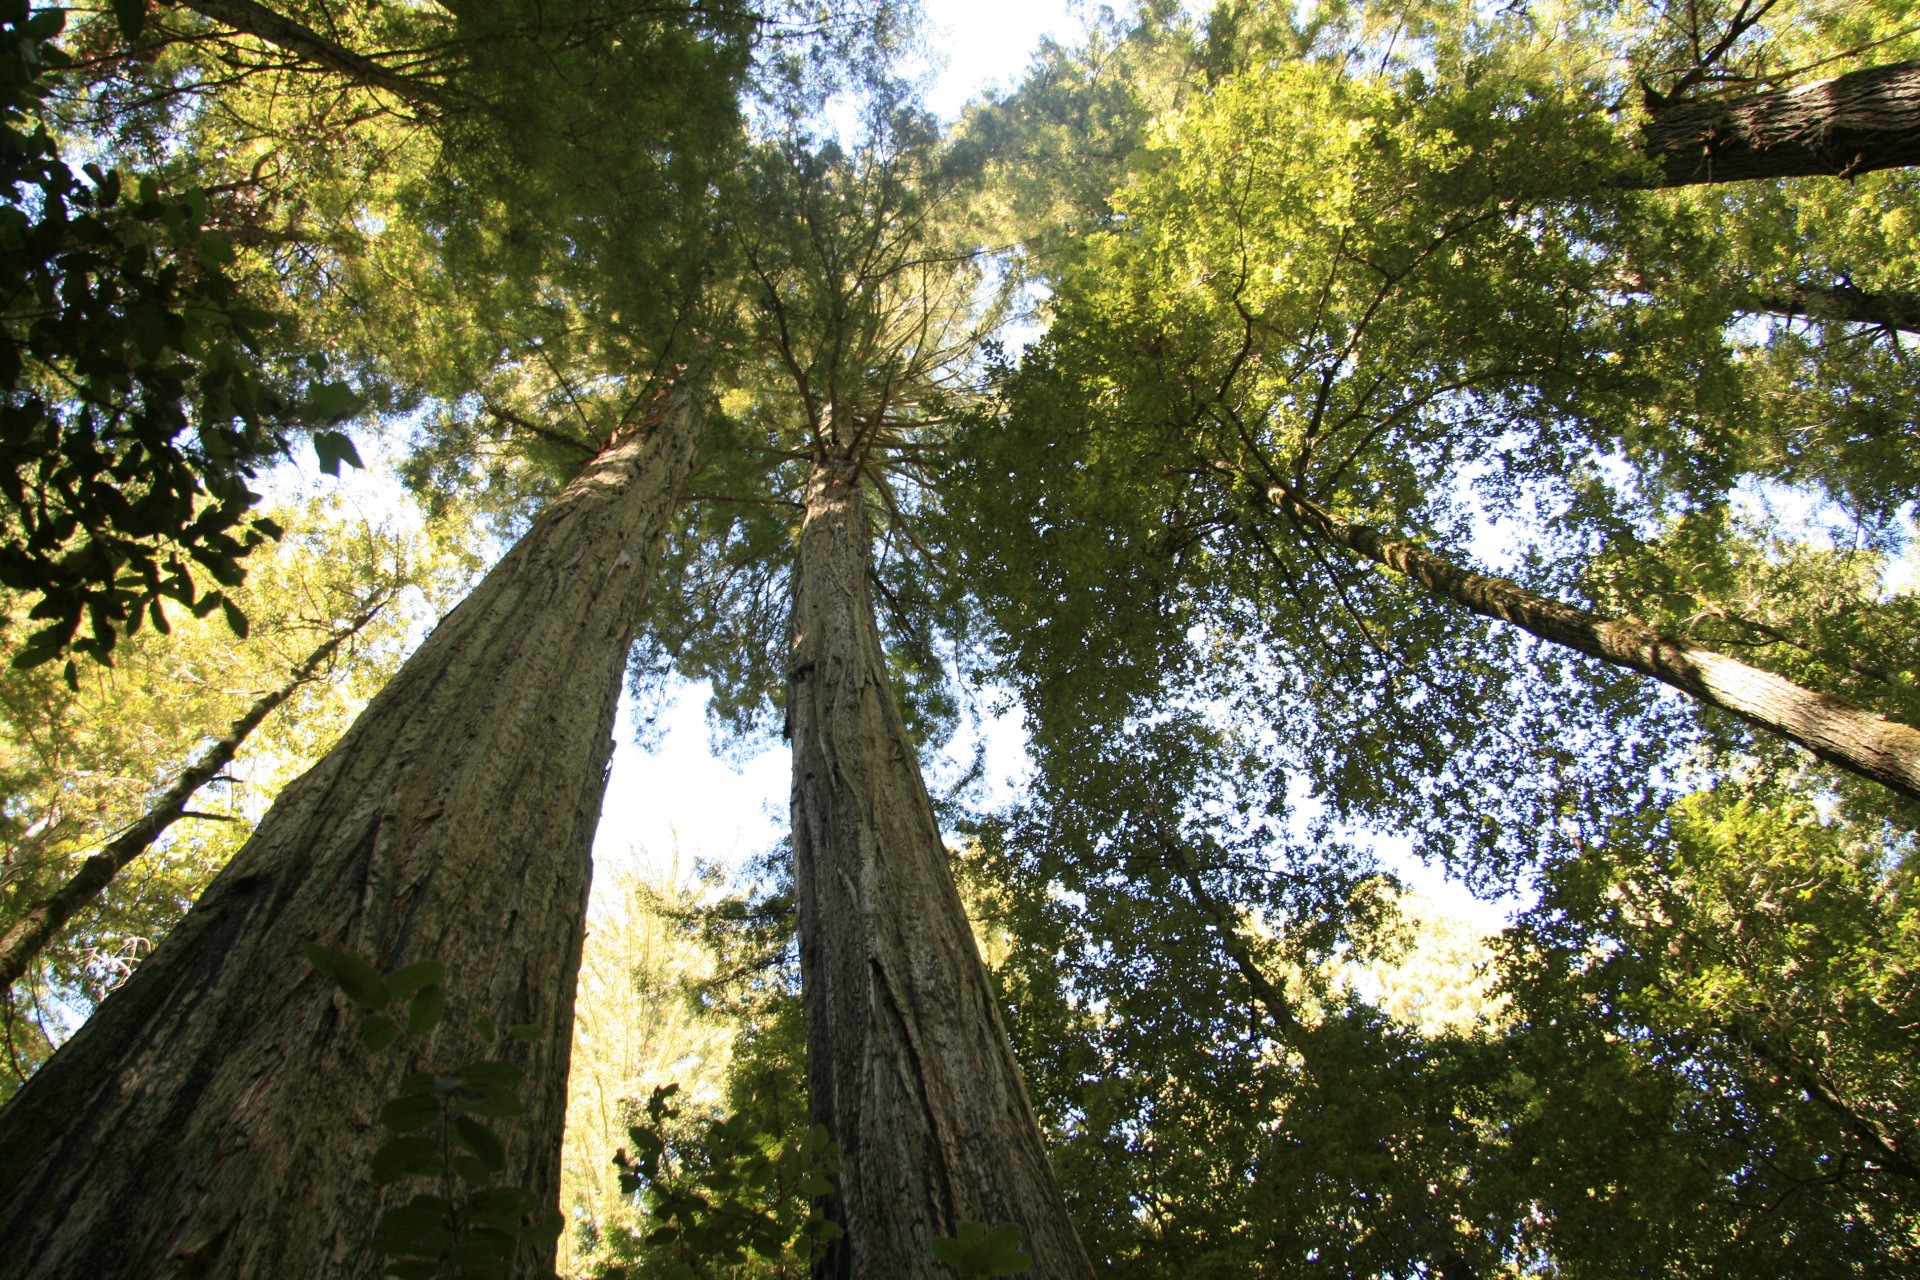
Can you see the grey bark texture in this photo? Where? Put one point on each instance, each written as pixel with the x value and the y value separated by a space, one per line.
pixel 908 1064
pixel 1889 309
pixel 216 1115
pixel 40 922
pixel 1849 125
pixel 1860 741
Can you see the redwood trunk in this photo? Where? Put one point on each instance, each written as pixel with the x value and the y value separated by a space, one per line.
pixel 40 922
pixel 1834 729
pixel 1852 124
pixel 908 1064
pixel 216 1116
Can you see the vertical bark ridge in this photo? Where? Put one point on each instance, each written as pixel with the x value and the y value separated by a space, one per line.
pixel 1860 741
pixel 215 1117
pixel 908 1064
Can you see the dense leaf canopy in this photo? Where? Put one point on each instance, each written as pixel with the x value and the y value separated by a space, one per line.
pixel 1405 267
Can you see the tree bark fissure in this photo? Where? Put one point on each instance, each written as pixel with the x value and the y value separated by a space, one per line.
pixel 215 1117
pixel 1851 124
pixel 1855 739
pixel 908 1063
pixel 41 921
pixel 265 25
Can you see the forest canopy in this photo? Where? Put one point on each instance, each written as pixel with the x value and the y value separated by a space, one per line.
pixel 1345 437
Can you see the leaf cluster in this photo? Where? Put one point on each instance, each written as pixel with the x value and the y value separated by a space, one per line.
pixel 137 402
pixel 473 1228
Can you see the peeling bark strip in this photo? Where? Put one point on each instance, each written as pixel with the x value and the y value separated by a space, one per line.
pixel 215 1118
pixel 1834 729
pixel 1893 309
pixel 44 919
pixel 908 1064
pixel 1852 124
pixel 263 24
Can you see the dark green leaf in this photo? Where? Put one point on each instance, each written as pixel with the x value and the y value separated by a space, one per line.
pixel 404 981
pixel 378 1031
pixel 414 1156
pixel 409 1112
pixel 132 17
pixel 355 977
pixel 333 448
pixel 481 1141
pixel 424 1013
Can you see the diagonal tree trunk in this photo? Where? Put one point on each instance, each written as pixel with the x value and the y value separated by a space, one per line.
pixel 41 921
pixel 216 1116
pixel 1852 124
pixel 1858 740
pixel 263 24
pixel 908 1064
pixel 1893 309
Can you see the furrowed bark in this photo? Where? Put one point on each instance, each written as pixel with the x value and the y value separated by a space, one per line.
pixel 303 42
pixel 1855 739
pixel 1852 124
pixel 21 943
pixel 215 1118
pixel 1895 309
pixel 908 1064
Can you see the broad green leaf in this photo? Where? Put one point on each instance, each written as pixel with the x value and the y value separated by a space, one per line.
pixel 481 1141
pixel 378 1031
pixel 412 1156
pixel 409 1112
pixel 334 447
pixel 424 1013
pixel 132 17
pixel 404 981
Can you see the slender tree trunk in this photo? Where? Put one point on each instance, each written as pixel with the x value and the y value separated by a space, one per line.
pixel 1894 309
pixel 908 1064
pixel 216 1116
pixel 24 940
pixel 263 24
pixel 1834 729
pixel 1852 124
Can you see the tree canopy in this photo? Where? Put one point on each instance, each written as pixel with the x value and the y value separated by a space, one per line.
pixel 1350 434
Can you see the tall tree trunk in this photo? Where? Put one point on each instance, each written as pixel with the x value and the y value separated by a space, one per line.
pixel 1852 124
pixel 41 921
pixel 1893 309
pixel 1858 740
pixel 908 1064
pixel 216 1116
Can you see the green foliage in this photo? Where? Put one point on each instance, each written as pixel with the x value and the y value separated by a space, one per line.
pixel 469 1227
pixel 77 767
pixel 1716 1034
pixel 726 1194
pixel 976 1251
pixel 138 402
